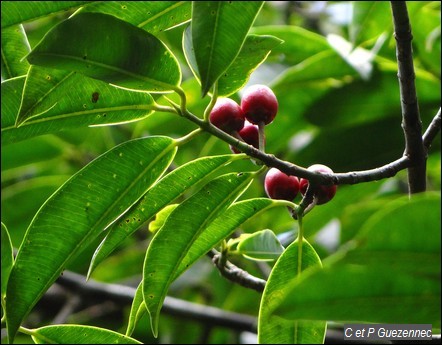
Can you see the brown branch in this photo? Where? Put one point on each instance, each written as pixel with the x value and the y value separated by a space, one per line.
pixel 432 130
pixel 411 122
pixel 236 274
pixel 353 177
pixel 124 295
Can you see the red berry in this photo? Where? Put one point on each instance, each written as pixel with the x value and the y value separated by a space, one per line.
pixel 323 193
pixel 250 134
pixel 259 104
pixel 279 185
pixel 227 115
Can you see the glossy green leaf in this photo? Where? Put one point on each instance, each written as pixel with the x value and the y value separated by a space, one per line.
pixel 253 53
pixel 152 16
pixel 137 310
pixel 19 12
pixel 11 97
pixel 7 259
pixel 56 100
pixel 273 329
pixel 15 46
pixel 261 245
pixel 223 226
pixel 173 240
pixel 162 193
pixel 78 334
pixel 161 217
pixel 215 47
pixel 60 96
pixel 390 275
pixel 129 58
pixel 77 213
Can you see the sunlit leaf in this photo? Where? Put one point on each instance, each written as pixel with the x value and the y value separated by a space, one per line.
pixel 77 213
pixel 11 97
pixel 162 193
pixel 224 225
pixel 78 334
pixel 15 46
pixel 54 100
pixel 161 217
pixel 253 53
pixel 7 259
pixel 215 47
pixel 261 245
pixel 273 329
pixel 18 12
pixel 129 57
pixel 152 16
pixel 173 240
pixel 137 310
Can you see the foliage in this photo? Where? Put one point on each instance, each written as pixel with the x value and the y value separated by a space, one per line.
pixel 105 136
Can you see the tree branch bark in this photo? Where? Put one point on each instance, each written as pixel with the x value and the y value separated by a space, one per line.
pixel 411 122
pixel 122 294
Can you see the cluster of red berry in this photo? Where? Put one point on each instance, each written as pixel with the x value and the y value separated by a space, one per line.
pixel 259 106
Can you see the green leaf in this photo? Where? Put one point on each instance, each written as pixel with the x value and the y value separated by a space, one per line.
pixel 77 213
pixel 253 53
pixel 425 18
pixel 312 71
pixel 70 100
pixel 56 100
pixel 129 57
pixel 261 245
pixel 223 226
pixel 15 46
pixel 370 19
pixel 137 310
pixel 11 97
pixel 78 334
pixel 173 240
pixel 162 193
pixel 299 43
pixel 372 100
pixel 273 329
pixel 161 217
pixel 7 258
pixel 215 47
pixel 16 13
pixel 152 16
pixel 391 275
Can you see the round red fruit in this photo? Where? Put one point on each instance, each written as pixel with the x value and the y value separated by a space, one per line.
pixel 250 134
pixel 323 193
pixel 259 104
pixel 227 115
pixel 279 185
